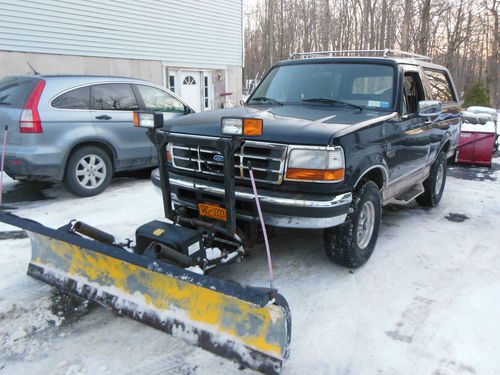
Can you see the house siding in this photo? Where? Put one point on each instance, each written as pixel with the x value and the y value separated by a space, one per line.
pixel 201 33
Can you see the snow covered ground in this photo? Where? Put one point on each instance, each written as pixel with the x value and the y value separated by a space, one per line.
pixel 427 302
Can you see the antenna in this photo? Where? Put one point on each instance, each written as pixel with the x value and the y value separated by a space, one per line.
pixel 34 70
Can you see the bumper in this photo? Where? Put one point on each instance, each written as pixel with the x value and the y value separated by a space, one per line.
pixel 34 162
pixel 23 169
pixel 280 209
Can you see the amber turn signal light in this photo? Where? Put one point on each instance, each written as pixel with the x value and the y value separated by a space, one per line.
pixel 168 152
pixel 252 127
pixel 315 174
pixel 136 119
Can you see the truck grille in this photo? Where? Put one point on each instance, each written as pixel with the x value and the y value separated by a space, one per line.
pixel 267 160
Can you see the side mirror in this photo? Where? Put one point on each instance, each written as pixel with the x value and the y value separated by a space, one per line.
pixel 429 108
pixel 187 110
pixel 150 120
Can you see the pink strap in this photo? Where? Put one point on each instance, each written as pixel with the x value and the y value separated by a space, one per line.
pixel 3 161
pixel 261 218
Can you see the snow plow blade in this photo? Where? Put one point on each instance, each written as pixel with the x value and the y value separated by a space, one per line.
pixel 220 316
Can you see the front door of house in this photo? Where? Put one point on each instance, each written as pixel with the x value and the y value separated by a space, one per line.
pixel 191 85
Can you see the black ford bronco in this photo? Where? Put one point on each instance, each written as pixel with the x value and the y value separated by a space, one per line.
pixel 330 140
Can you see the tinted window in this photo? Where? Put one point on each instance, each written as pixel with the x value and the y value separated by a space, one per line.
pixel 159 100
pixel 14 91
pixel 74 99
pixel 114 96
pixel 440 86
pixel 368 85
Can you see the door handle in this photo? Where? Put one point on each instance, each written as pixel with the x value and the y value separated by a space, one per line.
pixel 103 117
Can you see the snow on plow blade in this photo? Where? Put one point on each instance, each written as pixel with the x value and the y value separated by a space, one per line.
pixel 220 316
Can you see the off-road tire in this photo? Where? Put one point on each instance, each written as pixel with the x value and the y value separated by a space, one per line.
pixel 432 195
pixel 341 243
pixel 71 180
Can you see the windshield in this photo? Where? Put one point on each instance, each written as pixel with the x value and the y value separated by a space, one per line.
pixel 364 85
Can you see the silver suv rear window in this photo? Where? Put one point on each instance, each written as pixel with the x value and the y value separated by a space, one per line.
pixel 14 91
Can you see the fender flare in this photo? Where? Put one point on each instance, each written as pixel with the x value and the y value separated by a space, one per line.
pixel 444 140
pixel 368 164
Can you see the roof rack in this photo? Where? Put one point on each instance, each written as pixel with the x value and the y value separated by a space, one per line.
pixel 360 52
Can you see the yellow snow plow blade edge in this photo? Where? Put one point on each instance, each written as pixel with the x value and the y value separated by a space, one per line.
pixel 162 293
pixel 195 307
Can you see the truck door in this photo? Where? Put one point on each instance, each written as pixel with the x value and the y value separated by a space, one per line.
pixel 448 124
pixel 410 144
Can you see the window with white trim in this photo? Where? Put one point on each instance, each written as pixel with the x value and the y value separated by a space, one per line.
pixel 189 80
pixel 206 98
pixel 171 82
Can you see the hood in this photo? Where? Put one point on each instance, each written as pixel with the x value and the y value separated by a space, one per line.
pixel 289 124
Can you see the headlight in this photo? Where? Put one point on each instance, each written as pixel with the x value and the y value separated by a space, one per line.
pixel 236 126
pixel 233 126
pixel 153 120
pixel 321 164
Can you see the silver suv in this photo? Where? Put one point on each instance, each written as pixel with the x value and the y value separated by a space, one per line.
pixel 79 129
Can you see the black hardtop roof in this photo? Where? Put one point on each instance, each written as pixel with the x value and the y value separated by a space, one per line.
pixel 362 59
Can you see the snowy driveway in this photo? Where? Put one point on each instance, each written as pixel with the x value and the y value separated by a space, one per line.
pixel 427 302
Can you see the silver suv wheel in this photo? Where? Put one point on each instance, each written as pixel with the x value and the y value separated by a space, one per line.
pixel 90 171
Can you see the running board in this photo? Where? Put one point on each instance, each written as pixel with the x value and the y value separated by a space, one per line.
pixel 409 195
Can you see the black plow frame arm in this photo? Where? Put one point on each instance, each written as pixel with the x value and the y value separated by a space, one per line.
pixel 227 148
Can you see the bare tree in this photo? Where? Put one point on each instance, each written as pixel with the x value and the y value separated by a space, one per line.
pixel 460 34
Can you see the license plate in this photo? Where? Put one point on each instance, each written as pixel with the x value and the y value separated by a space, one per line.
pixel 213 211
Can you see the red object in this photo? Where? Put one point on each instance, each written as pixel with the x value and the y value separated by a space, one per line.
pixel 30 118
pixel 15 162
pixel 475 148
pixel 225 94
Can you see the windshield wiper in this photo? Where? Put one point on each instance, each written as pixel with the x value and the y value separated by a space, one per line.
pixel 266 100
pixel 331 101
pixel 4 103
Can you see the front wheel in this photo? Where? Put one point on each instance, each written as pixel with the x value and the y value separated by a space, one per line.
pixel 352 243
pixel 434 184
pixel 88 171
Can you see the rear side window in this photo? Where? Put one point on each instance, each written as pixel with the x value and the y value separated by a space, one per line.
pixel 74 99
pixel 114 96
pixel 14 91
pixel 440 86
pixel 159 100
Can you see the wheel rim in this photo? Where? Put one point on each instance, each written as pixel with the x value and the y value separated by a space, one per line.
pixel 90 171
pixel 439 179
pixel 366 224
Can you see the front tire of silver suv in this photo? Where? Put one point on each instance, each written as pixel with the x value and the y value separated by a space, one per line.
pixel 88 171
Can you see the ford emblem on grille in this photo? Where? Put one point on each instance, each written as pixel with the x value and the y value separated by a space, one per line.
pixel 218 158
